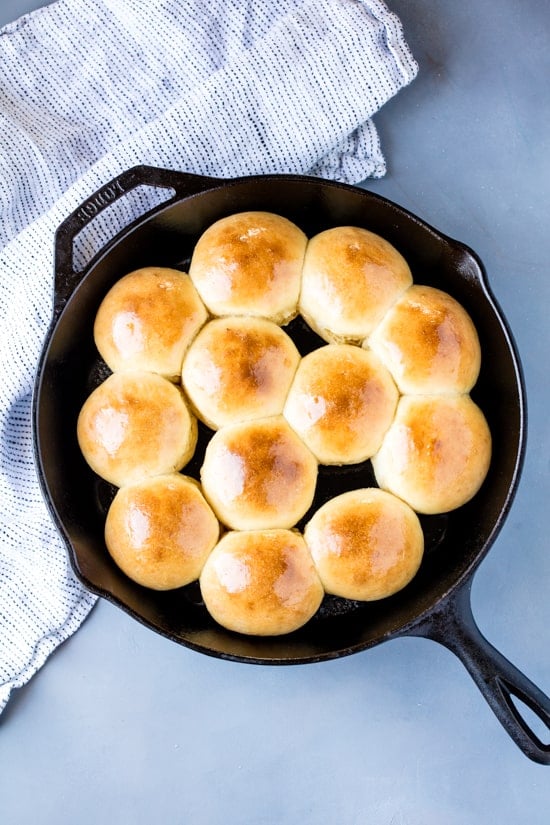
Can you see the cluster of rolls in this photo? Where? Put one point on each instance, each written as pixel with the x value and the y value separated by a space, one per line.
pixel 391 384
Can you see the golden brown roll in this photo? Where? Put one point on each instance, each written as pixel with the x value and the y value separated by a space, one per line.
pixel 366 544
pixel 147 320
pixel 258 474
pixel 250 263
pixel 261 582
pixel 341 403
pixel 238 369
pixel 350 279
pixel 429 343
pixel 436 454
pixel 160 531
pixel 134 425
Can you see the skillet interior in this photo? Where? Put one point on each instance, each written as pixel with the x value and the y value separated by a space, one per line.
pixel 71 367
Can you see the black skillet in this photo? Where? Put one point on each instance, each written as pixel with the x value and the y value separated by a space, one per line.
pixel 436 604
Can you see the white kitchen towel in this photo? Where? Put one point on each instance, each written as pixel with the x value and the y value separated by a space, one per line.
pixel 89 88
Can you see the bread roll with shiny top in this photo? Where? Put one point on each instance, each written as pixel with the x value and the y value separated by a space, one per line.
pixel 160 531
pixel 350 278
pixel 238 369
pixel 258 474
pixel 341 403
pixel 429 343
pixel 261 582
pixel 147 320
pixel 436 454
pixel 250 263
pixel 366 544
pixel 135 425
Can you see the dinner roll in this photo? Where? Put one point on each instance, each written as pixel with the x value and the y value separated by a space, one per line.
pixel 365 544
pixel 134 425
pixel 237 369
pixel 349 280
pixel 261 582
pixel 436 454
pixel 428 342
pixel 147 320
pixel 341 403
pixel 250 263
pixel 160 531
pixel 258 474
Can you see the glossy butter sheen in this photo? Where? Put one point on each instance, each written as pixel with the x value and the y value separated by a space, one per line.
pixel 366 544
pixel 250 263
pixel 134 425
pixel 436 454
pixel 351 276
pixel 261 582
pixel 341 403
pixel 259 474
pixel 238 369
pixel 147 320
pixel 161 531
pixel 429 343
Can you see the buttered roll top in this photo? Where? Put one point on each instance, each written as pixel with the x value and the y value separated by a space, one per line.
pixel 258 474
pixel 351 276
pixel 436 454
pixel 341 403
pixel 366 544
pixel 250 263
pixel 261 582
pixel 428 342
pixel 147 320
pixel 135 425
pixel 160 531
pixel 238 369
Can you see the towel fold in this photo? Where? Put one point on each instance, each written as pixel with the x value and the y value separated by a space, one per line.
pixel 89 88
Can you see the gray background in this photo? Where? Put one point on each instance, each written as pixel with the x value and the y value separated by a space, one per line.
pixel 123 726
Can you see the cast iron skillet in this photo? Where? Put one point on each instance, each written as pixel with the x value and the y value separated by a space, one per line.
pixel 436 604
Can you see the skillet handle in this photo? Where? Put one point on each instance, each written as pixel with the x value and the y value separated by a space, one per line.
pixel 500 682
pixel 182 184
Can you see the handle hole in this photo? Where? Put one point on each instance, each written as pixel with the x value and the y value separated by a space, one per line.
pixel 528 717
pixel 113 219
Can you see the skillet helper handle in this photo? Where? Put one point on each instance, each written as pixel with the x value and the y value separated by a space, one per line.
pixel 182 184
pixel 499 680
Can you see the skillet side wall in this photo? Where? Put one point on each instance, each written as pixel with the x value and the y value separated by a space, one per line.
pixel 455 543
